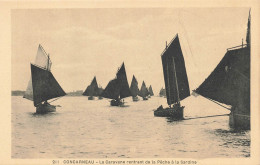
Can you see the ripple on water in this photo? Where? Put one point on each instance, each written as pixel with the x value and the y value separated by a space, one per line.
pixel 87 130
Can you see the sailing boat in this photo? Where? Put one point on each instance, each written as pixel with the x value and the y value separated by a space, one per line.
pixel 92 90
pixel 229 83
pixel 162 93
pixel 134 89
pixel 150 91
pixel 144 91
pixel 43 61
pixel 176 80
pixel 100 91
pixel 148 96
pixel 45 87
pixel 118 88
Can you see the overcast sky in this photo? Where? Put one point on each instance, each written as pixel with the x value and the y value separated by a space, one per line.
pixel 84 43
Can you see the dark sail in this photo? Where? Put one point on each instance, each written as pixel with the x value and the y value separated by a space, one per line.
pixel 162 92
pixel 143 91
pixel 175 76
pixel 100 90
pixel 134 87
pixel 92 89
pixel 89 91
pixel 123 83
pixel 111 91
pixel 42 60
pixel 230 76
pixel 151 90
pixel 229 83
pixel 118 87
pixel 45 86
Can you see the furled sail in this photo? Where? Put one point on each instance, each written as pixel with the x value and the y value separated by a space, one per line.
pixel 42 60
pixel 151 90
pixel 134 87
pixel 118 88
pixel 175 76
pixel 143 91
pixel 44 85
pixel 92 89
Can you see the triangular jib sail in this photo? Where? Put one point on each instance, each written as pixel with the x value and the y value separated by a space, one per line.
pixel 175 76
pixel 118 88
pixel 92 89
pixel 44 84
pixel 134 87
pixel 42 60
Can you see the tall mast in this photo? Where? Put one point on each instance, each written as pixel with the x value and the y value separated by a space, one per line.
pixel 48 62
pixel 47 67
pixel 168 76
pixel 176 80
pixel 168 82
pixel 248 34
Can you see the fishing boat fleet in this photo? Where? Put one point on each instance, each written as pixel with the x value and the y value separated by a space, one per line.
pixel 228 84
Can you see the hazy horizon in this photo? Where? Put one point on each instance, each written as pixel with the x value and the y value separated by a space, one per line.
pixel 84 43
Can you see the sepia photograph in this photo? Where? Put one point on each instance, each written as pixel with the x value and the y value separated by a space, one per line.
pixel 133 85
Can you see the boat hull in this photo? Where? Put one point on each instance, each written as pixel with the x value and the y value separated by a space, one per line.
pixel 145 98
pixel 45 108
pixel 175 112
pixel 90 98
pixel 135 98
pixel 116 103
pixel 239 121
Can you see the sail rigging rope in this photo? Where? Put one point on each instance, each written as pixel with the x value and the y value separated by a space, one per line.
pixel 187 39
pixel 218 103
pixel 205 117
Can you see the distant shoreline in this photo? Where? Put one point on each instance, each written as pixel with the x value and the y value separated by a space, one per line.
pixel 17 93
pixel 21 93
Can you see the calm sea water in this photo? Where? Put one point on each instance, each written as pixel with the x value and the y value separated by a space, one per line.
pixel 93 129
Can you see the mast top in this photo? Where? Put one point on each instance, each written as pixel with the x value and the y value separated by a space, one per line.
pixel 248 35
pixel 167 45
pixel 43 49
